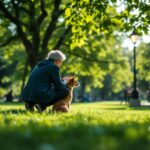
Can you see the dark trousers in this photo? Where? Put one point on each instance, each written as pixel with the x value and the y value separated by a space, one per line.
pixel 59 94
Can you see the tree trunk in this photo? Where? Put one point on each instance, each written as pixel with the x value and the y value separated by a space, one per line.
pixel 24 77
pixel 32 61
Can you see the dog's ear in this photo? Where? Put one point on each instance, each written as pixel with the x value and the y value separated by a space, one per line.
pixel 72 79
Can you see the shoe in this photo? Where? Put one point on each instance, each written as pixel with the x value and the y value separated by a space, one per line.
pixel 40 108
pixel 29 106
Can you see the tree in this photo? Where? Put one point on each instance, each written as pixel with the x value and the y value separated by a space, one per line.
pixel 34 23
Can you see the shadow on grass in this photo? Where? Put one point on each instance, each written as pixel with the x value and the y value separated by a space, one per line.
pixel 23 111
pixel 11 103
pixel 143 107
pixel 125 107
pixel 13 111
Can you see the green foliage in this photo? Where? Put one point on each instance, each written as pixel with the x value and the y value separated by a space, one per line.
pixel 144 64
pixel 93 62
pixel 6 70
pixel 15 58
pixel 101 17
pixel 104 125
pixel 144 61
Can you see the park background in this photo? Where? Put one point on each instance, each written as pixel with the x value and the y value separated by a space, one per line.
pixel 92 34
pixel 95 36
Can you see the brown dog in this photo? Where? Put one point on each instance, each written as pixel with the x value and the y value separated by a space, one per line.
pixel 63 104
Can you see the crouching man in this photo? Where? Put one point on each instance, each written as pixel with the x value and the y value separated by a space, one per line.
pixel 45 86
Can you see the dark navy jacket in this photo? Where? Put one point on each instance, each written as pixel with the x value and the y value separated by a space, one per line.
pixel 43 79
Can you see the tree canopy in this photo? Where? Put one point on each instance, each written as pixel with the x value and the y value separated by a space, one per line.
pixel 36 23
pixel 106 16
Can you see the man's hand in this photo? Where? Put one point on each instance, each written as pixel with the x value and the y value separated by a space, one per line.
pixel 66 78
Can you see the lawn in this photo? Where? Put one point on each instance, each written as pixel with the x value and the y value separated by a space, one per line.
pixel 88 126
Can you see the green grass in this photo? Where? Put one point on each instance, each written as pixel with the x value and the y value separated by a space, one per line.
pixel 88 126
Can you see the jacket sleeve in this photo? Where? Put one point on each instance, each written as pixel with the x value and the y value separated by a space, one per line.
pixel 56 79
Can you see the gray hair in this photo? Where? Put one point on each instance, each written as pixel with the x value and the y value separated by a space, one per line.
pixel 56 55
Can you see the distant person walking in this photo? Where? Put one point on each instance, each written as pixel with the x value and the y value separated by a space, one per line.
pixel 127 95
pixel 9 96
pixel 45 85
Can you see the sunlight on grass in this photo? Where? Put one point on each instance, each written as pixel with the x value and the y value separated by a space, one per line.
pixel 99 125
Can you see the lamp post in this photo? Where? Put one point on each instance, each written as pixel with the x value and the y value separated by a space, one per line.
pixel 135 95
